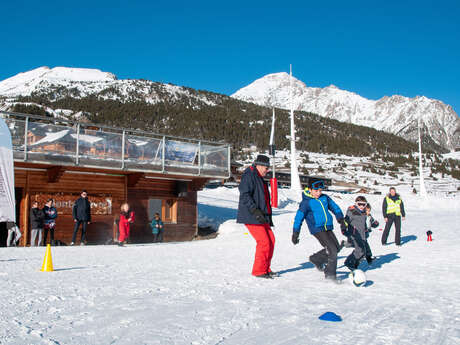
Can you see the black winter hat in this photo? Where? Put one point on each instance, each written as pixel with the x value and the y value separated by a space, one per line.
pixel 262 160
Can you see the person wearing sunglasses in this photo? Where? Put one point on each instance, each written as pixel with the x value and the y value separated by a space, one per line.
pixel 392 209
pixel 357 218
pixel 314 209
pixel 254 211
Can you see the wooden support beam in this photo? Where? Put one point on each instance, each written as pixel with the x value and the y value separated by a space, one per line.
pixel 134 178
pixel 55 173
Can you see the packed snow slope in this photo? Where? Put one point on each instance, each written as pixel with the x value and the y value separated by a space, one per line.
pixel 395 114
pixel 202 292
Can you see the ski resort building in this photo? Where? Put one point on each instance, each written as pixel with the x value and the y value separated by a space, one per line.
pixel 56 158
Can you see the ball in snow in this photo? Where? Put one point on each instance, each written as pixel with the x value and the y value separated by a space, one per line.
pixel 358 278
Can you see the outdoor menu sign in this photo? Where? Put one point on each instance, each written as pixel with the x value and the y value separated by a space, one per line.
pixel 7 198
pixel 100 204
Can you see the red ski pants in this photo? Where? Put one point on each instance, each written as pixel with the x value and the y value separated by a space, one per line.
pixel 265 240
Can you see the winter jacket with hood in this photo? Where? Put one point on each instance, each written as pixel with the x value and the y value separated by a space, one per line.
pixel 254 194
pixel 316 213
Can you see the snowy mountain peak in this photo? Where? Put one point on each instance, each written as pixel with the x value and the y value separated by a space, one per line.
pixel 396 114
pixel 26 82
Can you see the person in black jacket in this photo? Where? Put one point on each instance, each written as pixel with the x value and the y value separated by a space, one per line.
pixel 393 209
pixel 36 224
pixel 254 210
pixel 81 214
pixel 51 214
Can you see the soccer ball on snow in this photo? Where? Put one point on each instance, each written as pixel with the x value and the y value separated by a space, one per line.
pixel 358 278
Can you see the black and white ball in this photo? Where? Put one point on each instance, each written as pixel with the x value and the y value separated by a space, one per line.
pixel 358 278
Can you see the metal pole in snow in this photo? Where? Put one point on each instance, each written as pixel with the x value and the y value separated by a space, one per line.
pixel 420 166
pixel 295 180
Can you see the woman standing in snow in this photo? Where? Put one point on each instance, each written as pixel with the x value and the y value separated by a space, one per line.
pixel 50 220
pixel 126 218
pixel 254 211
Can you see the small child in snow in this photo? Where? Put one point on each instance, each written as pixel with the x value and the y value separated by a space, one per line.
pixel 157 228
pixel 370 223
pixel 356 218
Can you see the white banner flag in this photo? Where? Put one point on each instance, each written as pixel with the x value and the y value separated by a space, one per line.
pixel 7 199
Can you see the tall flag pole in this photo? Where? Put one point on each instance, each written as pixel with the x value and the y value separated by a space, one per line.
pixel 295 180
pixel 422 182
pixel 273 180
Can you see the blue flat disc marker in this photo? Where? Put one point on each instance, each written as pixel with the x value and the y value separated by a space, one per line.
pixel 330 316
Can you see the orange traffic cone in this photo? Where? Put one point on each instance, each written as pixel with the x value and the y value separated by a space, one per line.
pixel 48 261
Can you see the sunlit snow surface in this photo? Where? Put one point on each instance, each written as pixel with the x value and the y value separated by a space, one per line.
pixel 201 292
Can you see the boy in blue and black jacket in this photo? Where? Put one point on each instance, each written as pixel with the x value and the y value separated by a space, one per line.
pixel 314 209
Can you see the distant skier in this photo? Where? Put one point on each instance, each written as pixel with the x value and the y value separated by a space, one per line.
pixel 356 219
pixel 314 210
pixel 254 210
pixel 393 209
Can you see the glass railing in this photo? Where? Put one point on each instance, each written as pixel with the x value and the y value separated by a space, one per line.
pixel 57 141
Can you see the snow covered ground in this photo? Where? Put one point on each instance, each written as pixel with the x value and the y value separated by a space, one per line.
pixel 202 292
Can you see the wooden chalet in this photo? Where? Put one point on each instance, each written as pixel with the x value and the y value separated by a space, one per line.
pixel 57 159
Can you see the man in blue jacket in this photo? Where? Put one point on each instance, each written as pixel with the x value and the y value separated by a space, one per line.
pixel 315 208
pixel 254 210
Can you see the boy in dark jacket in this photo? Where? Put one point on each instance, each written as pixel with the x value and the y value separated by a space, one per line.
pixel 157 228
pixel 392 209
pixel 36 224
pixel 357 218
pixel 254 210
pixel 314 209
pixel 81 214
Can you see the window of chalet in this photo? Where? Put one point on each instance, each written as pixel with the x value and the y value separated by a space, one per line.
pixel 167 208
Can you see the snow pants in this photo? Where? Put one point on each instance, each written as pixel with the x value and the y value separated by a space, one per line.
pixel 392 218
pixel 265 240
pixel 158 237
pixel 361 250
pixel 327 255
pixel 124 232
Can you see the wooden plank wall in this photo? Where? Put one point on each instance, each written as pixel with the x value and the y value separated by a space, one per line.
pixel 101 228
pixel 138 197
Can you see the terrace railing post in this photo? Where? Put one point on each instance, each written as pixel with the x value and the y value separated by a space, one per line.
pixel 26 129
pixel 163 155
pixel 199 158
pixel 77 151
pixel 229 166
pixel 123 150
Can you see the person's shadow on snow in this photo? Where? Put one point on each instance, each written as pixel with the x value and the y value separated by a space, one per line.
pixel 302 266
pixel 220 214
pixel 408 238
pixel 381 260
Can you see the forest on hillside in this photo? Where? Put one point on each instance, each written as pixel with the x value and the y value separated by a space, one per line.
pixel 230 120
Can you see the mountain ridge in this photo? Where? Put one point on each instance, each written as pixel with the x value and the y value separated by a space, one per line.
pixel 394 114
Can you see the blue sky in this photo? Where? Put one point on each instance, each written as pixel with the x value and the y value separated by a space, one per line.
pixel 393 47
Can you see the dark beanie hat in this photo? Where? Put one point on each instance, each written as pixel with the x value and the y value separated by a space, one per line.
pixel 262 160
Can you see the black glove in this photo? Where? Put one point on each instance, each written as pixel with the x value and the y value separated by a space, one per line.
pixel 259 215
pixel 295 237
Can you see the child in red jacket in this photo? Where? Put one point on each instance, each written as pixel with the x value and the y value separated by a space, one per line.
pixel 126 218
